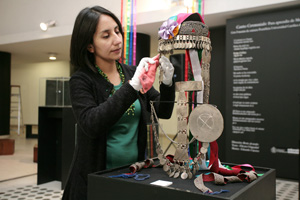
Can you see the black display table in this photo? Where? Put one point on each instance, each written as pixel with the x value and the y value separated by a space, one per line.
pixel 101 186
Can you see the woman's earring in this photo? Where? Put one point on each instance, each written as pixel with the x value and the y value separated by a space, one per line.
pixel 90 48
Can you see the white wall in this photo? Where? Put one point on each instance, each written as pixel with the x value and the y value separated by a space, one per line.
pixel 20 20
pixel 28 77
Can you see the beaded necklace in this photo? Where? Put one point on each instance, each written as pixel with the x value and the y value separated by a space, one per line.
pixel 131 109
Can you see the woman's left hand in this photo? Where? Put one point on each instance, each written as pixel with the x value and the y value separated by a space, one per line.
pixel 168 70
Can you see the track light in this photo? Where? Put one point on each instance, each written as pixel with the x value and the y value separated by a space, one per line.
pixel 52 56
pixel 45 25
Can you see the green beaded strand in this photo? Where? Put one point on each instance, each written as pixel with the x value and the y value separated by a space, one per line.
pixel 131 109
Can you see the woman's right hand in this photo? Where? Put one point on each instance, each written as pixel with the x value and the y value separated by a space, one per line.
pixel 135 81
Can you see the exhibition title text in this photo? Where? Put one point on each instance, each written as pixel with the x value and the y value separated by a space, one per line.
pixel 266 26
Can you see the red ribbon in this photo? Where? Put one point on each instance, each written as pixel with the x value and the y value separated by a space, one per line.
pixel 214 162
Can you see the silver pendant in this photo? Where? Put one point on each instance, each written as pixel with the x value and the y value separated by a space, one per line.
pixel 203 150
pixel 202 156
pixel 172 174
pixel 166 167
pixel 194 169
pixel 175 45
pixel 176 175
pixel 184 175
pixel 205 144
pixel 190 175
pixel 162 161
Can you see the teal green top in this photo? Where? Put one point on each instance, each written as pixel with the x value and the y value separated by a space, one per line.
pixel 122 139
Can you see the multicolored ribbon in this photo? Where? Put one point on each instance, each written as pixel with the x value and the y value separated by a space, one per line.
pixel 125 34
pixel 129 46
pixel 131 35
pixel 127 31
pixel 121 59
pixel 134 33
pixel 201 8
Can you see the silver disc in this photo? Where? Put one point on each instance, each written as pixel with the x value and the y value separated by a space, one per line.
pixel 184 175
pixel 206 123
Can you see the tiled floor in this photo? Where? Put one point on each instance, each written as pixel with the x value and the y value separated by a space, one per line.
pixel 21 162
pixel 29 190
pixel 18 174
pixel 18 177
pixel 287 190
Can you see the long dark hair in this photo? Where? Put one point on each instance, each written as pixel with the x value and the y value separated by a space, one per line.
pixel 83 32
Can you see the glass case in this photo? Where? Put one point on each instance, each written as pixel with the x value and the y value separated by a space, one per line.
pixel 54 91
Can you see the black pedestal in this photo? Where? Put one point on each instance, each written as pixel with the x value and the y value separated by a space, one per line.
pixel 56 143
pixel 101 186
pixel 29 131
pixel 5 79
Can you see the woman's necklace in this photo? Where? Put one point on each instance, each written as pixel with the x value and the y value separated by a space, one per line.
pixel 131 109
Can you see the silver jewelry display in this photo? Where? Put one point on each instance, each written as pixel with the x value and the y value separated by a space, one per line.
pixel 205 123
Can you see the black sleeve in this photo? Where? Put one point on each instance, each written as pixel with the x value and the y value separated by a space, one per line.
pixel 96 118
pixel 164 101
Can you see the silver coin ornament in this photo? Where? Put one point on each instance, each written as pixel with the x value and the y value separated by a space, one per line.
pixel 190 175
pixel 184 175
pixel 176 175
pixel 162 161
pixel 172 174
pixel 203 150
pixel 206 123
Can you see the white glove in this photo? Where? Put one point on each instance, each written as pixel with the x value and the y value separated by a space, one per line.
pixel 168 70
pixel 135 81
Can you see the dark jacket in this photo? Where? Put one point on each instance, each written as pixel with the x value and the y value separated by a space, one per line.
pixel 96 112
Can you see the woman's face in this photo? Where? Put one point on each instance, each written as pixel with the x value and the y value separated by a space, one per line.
pixel 107 41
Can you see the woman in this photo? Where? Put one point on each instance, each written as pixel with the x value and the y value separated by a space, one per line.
pixel 109 109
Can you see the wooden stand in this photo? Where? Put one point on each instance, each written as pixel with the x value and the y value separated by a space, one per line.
pixel 7 146
pixel 35 153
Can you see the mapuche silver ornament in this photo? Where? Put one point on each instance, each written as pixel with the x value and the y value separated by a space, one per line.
pixel 206 123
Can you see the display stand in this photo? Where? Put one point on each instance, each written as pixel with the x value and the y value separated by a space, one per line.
pixel 29 133
pixel 56 143
pixel 101 186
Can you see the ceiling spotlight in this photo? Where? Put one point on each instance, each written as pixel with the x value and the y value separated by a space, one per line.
pixel 52 56
pixel 45 25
